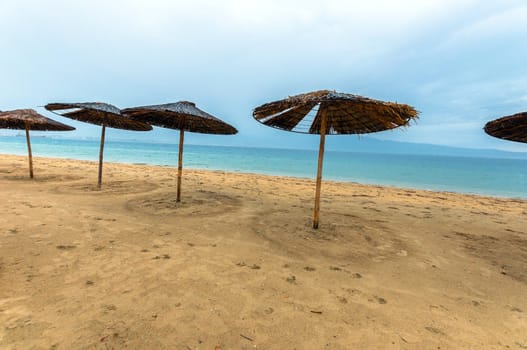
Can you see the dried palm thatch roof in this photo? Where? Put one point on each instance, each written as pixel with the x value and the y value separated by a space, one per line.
pixel 327 112
pixel 97 113
pixel 511 128
pixel 29 119
pixel 345 113
pixel 20 119
pixel 182 115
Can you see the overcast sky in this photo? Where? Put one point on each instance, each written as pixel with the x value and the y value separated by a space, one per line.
pixel 461 63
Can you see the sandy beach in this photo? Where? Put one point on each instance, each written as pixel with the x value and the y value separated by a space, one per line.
pixel 236 264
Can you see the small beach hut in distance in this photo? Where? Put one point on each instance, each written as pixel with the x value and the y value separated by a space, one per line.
pixel 182 116
pixel 510 128
pixel 29 119
pixel 327 112
pixel 97 113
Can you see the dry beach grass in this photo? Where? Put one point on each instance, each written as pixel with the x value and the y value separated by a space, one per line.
pixel 236 264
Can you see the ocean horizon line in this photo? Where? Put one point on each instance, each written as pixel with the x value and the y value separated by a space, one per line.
pixel 436 150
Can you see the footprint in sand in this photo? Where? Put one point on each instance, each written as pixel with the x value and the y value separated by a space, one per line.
pixel 109 307
pixel 65 247
pixel 435 330
pixel 402 253
pixel 291 279
pixel 379 300
pixel 342 300
pixel 269 310
pixel 164 256
pixel 252 267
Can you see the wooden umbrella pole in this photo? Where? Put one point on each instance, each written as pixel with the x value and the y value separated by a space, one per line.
pixel 101 152
pixel 29 153
pixel 319 171
pixel 180 164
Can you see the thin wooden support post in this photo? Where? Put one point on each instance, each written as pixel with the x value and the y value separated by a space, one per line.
pixel 101 152
pixel 29 153
pixel 180 163
pixel 319 170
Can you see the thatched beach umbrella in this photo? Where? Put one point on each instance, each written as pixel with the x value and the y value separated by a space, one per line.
pixel 511 128
pixel 332 113
pixel 183 116
pixel 98 113
pixel 29 119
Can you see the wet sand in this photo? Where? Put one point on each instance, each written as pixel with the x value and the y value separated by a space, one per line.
pixel 236 264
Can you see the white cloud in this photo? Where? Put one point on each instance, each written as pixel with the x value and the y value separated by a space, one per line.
pixel 510 22
pixel 457 61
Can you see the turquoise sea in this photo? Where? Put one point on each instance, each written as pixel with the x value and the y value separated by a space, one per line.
pixel 487 176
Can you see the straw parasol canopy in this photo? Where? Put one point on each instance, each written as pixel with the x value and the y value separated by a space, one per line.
pixel 511 128
pixel 183 116
pixel 98 113
pixel 29 119
pixel 327 112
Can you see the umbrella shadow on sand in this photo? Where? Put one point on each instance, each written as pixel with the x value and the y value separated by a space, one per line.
pixel 202 203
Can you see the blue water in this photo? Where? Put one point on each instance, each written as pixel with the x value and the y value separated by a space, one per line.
pixel 487 176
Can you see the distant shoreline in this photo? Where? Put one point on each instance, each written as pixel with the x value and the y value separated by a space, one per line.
pixel 300 178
